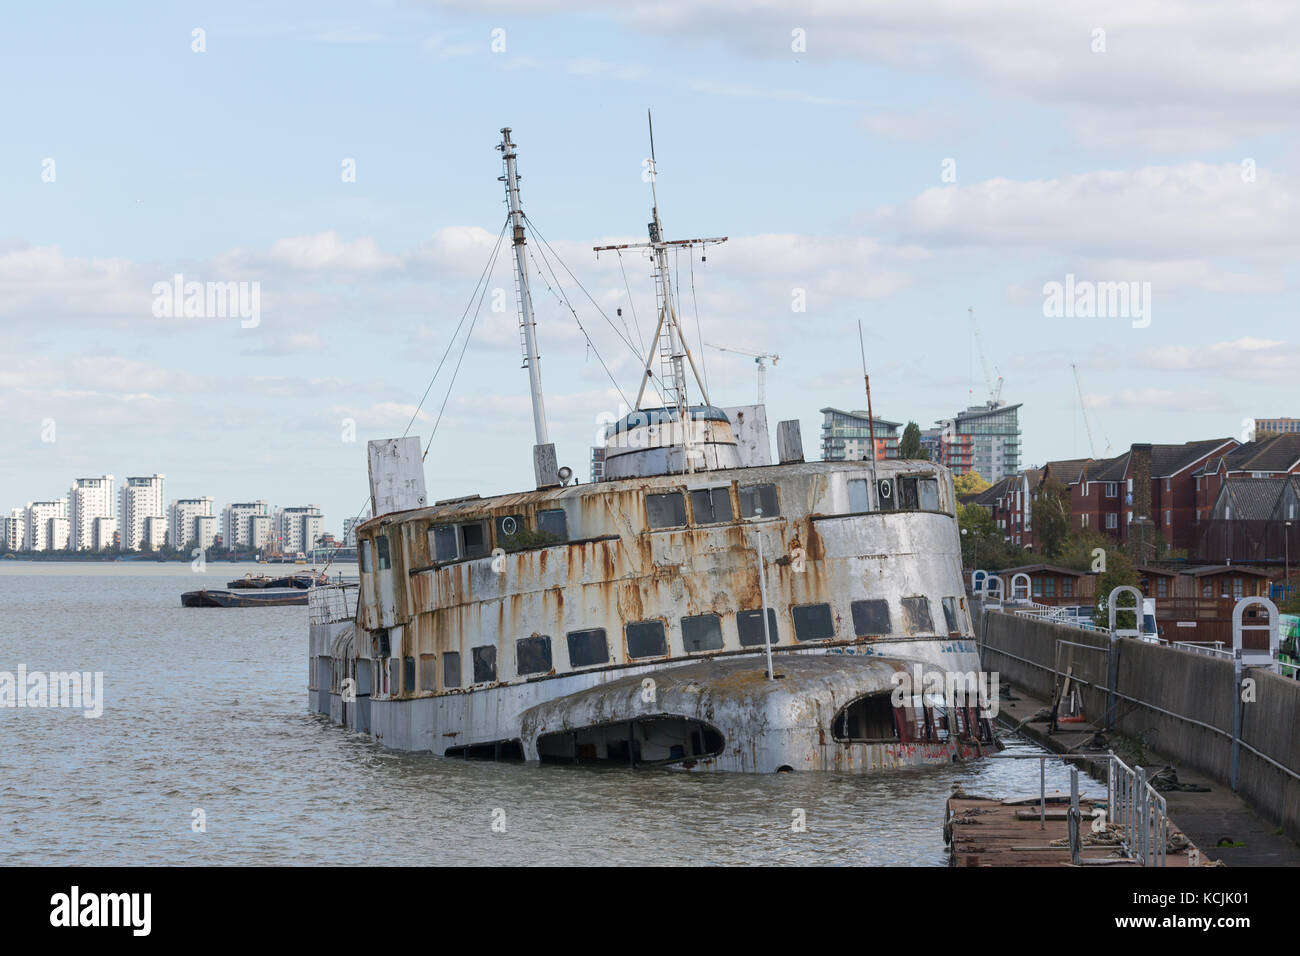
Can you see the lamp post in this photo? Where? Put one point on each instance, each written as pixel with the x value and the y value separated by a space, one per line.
pixel 1286 566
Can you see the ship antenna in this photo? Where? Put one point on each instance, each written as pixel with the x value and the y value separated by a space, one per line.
pixel 669 343
pixel 871 417
pixel 544 464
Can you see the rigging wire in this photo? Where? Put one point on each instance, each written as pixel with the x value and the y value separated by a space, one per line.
pixel 564 300
pixel 636 324
pixel 537 232
pixel 487 271
pixel 460 358
pixel 704 366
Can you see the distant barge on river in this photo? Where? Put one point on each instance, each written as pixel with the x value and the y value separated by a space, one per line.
pixel 244 597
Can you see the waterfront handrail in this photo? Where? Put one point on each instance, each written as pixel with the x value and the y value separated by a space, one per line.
pixel 1132 803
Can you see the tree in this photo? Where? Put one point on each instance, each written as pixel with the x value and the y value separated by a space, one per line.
pixel 981 539
pixel 971 483
pixel 1119 571
pixel 910 444
pixel 1052 517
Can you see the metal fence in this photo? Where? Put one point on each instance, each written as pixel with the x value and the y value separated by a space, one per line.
pixel 1140 811
pixel 330 603
pixel 1133 805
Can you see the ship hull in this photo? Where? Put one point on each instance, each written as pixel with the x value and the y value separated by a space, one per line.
pixel 722 714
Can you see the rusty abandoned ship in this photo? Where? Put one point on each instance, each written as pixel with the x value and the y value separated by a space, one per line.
pixel 622 621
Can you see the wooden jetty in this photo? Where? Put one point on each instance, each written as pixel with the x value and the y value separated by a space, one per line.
pixel 985 831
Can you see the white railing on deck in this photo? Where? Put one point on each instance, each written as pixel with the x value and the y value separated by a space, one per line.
pixel 330 603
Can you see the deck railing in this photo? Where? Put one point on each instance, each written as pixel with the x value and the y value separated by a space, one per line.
pixel 330 603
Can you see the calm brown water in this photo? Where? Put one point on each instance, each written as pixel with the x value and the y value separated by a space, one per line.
pixel 205 709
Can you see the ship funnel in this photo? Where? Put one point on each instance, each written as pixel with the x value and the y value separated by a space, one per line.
pixel 654 441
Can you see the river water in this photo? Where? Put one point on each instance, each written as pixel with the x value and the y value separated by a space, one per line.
pixel 205 709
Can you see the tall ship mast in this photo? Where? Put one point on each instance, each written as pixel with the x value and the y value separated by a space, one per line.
pixel 701 607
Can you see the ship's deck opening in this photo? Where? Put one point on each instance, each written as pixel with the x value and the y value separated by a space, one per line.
pixel 875 718
pixel 496 750
pixel 646 741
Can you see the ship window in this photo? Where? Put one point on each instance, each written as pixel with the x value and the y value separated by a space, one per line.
pixel 408 674
pixel 428 672
pixel 587 648
pixel 646 639
pixel 442 542
pixel 813 622
pixel 666 511
pixel 870 618
pixel 451 669
pixel 927 490
pixel 750 626
pixel 382 544
pixel 508 528
pixel 916 616
pixel 555 522
pixel 702 632
pixel 533 655
pixel 473 539
pixel 711 505
pixel 366 565
pixel 907 496
pixel 950 614
pixel 754 497
pixel 485 663
pixel 858 500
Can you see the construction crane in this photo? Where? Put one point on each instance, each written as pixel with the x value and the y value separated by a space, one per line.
pixel 1083 408
pixel 760 359
pixel 995 390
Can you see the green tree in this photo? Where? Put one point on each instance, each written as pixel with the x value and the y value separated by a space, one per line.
pixel 1119 571
pixel 981 539
pixel 971 483
pixel 1052 517
pixel 909 446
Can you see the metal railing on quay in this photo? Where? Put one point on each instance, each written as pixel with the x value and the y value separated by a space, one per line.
pixel 1132 804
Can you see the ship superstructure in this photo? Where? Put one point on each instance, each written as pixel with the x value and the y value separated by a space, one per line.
pixel 692 609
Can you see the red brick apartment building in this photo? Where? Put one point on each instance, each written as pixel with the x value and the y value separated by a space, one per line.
pixel 1217 499
pixel 1153 482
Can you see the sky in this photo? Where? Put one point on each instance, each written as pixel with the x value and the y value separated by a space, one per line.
pixel 893 163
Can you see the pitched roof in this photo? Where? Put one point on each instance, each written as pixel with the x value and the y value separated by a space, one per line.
pixel 1167 460
pixel 1031 568
pixel 1271 453
pixel 1252 499
pixel 1223 569
pixel 1066 471
pixel 990 495
pixel 1152 569
pixel 1109 469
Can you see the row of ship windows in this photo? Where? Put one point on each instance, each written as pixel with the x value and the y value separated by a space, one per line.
pixel 647 639
pixel 471 539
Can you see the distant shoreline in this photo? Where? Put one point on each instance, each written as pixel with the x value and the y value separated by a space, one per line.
pixel 135 559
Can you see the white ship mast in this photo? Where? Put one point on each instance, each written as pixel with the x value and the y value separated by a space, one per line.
pixel 668 340
pixel 544 463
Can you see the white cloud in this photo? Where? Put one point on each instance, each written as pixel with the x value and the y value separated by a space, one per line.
pixel 1155 212
pixel 1179 73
